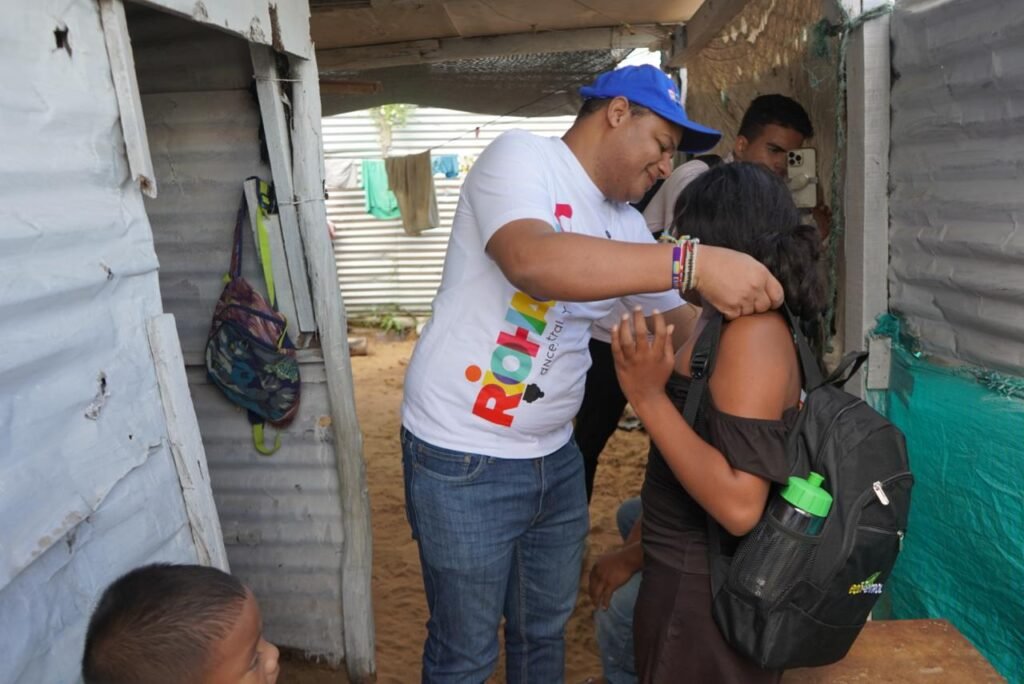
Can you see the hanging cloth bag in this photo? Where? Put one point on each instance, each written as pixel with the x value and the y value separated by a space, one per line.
pixel 248 353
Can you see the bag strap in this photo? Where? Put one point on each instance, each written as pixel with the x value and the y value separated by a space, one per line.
pixel 236 248
pixel 848 365
pixel 265 206
pixel 260 444
pixel 812 377
pixel 702 363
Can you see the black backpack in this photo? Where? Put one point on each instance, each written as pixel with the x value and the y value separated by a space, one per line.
pixel 827 596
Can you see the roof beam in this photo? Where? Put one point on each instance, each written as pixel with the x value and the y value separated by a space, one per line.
pixel 449 49
pixel 331 86
pixel 374 4
pixel 706 23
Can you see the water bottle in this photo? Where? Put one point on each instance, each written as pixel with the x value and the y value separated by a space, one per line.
pixel 770 561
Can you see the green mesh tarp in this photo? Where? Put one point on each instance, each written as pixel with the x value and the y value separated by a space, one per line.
pixel 964 554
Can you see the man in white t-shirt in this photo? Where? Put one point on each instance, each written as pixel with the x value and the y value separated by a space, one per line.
pixel 543 243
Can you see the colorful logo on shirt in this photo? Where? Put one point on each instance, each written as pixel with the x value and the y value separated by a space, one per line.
pixel 511 362
pixel 563 218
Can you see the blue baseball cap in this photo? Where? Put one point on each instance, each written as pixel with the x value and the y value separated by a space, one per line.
pixel 651 87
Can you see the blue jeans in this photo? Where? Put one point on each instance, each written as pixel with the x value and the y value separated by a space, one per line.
pixel 497 537
pixel 614 626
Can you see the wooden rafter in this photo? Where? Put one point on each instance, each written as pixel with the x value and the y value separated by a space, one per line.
pixel 450 49
pixel 709 21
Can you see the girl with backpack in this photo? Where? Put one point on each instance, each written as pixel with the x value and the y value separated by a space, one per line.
pixel 725 467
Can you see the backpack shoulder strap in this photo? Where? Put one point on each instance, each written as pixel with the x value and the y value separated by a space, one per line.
pixel 701 366
pixel 848 365
pixel 702 363
pixel 808 363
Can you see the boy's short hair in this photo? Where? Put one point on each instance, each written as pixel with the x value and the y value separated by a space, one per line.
pixel 775 109
pixel 157 625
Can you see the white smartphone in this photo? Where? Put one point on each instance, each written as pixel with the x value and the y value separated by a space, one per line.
pixel 802 175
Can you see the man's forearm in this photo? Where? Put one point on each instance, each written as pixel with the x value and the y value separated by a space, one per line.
pixel 571 267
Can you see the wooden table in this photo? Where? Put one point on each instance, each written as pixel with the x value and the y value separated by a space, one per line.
pixel 904 652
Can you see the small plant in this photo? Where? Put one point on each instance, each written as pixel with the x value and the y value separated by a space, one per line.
pixel 391 319
pixel 391 323
pixel 388 118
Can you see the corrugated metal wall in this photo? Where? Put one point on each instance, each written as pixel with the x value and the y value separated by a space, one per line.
pixel 379 266
pixel 281 516
pixel 83 499
pixel 957 179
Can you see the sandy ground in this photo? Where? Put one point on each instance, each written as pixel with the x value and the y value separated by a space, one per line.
pixel 399 604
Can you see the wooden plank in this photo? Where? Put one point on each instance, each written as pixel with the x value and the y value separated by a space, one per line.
pixel 866 206
pixel 358 346
pixel 281 25
pixel 186 441
pixel 126 86
pixel 903 652
pixel 706 23
pixel 357 554
pixel 449 49
pixel 879 363
pixel 278 260
pixel 855 8
pixel 275 128
pixel 344 87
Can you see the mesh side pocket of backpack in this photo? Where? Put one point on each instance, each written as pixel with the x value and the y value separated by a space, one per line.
pixel 770 561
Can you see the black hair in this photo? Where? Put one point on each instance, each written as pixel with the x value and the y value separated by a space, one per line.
pixel 596 104
pixel 157 625
pixel 775 109
pixel 747 208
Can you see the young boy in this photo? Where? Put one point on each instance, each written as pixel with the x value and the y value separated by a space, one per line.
pixel 178 624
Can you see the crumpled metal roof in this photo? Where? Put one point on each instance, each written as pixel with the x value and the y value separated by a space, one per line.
pixel 525 85
pixel 484 56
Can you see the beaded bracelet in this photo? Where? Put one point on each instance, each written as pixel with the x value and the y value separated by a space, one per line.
pixel 691 269
pixel 677 267
pixel 687 267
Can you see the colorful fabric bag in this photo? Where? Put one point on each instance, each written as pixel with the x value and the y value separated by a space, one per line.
pixel 248 353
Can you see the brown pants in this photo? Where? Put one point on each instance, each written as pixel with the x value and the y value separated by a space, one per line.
pixel 676 638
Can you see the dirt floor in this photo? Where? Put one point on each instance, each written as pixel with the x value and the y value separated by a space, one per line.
pixel 399 604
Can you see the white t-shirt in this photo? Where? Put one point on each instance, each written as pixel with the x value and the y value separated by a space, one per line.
pixel 660 209
pixel 496 372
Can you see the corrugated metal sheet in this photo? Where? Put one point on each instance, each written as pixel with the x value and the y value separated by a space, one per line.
pixel 542 84
pixel 281 516
pixel 957 199
pixel 83 499
pixel 379 266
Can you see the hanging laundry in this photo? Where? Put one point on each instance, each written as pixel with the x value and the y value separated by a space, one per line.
pixel 341 174
pixel 448 164
pixel 412 181
pixel 380 201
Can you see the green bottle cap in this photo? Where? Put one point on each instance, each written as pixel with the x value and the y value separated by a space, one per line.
pixel 807 495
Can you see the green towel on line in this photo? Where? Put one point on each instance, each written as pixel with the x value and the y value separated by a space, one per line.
pixel 380 201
